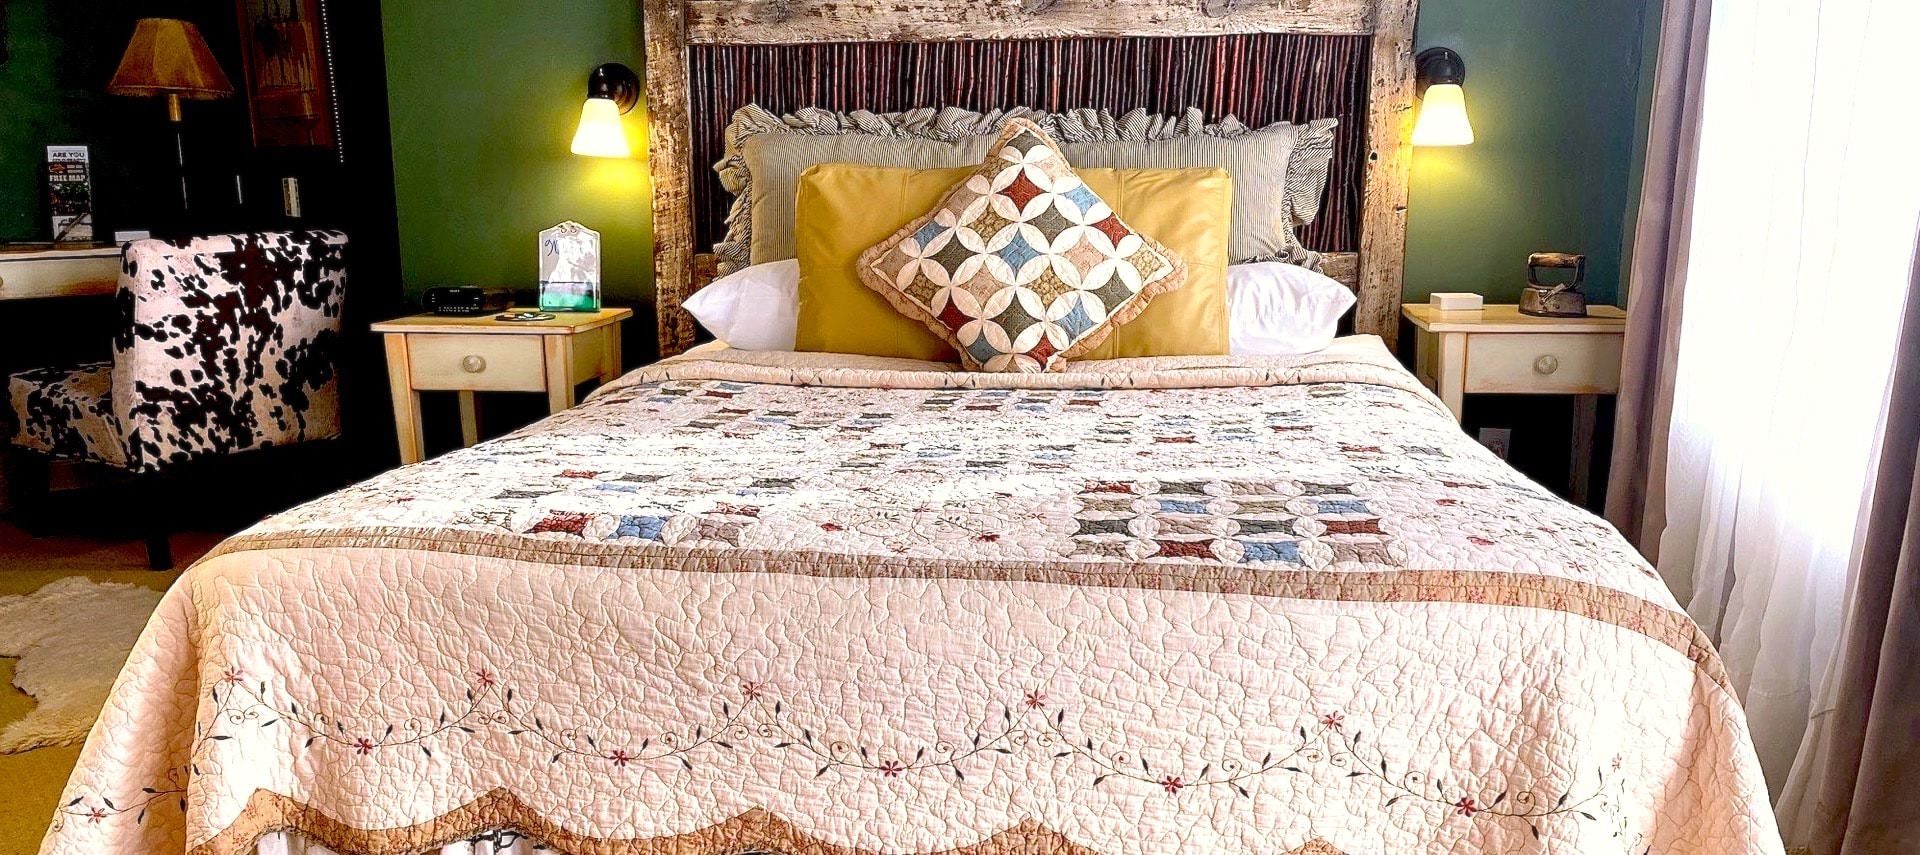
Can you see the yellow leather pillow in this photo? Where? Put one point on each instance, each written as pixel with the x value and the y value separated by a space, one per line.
pixel 1189 211
pixel 842 209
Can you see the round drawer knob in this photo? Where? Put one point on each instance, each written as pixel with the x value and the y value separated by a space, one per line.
pixel 473 364
pixel 1546 364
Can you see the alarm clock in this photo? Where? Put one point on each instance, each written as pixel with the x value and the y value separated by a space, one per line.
pixel 466 300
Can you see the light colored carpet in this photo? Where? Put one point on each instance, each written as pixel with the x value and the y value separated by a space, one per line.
pixel 68 641
pixel 31 780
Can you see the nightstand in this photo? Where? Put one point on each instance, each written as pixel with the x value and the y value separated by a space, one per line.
pixel 1498 350
pixel 476 353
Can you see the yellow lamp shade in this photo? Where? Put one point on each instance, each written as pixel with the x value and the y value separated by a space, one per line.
pixel 168 57
pixel 601 133
pixel 1443 117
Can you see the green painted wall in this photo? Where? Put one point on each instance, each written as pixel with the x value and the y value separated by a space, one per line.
pixel 484 97
pixel 1554 91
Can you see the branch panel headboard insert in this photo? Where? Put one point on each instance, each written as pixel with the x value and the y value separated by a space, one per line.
pixel 1315 65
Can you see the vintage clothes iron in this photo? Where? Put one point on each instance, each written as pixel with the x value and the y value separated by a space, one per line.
pixel 1554 299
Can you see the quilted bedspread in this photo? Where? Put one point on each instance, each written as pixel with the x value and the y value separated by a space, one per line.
pixel 804 604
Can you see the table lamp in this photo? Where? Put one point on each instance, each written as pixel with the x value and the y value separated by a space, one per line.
pixel 167 57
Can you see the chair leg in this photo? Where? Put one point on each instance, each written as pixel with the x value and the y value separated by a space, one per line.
pixel 159 551
pixel 151 491
pixel 30 490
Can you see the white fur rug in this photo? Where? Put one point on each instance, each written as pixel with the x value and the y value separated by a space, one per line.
pixel 71 638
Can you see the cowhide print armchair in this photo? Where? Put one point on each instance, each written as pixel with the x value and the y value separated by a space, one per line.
pixel 224 344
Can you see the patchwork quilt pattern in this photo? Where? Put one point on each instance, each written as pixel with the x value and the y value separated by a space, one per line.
pixel 1021 266
pixel 805 603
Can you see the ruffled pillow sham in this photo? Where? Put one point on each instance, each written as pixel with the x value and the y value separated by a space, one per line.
pixel 1280 171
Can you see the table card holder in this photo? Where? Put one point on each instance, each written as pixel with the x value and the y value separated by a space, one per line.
pixel 569 268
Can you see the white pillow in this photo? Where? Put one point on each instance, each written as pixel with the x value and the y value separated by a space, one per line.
pixel 1273 308
pixel 1280 309
pixel 752 309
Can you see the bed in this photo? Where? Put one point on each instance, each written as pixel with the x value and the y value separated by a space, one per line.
pixel 806 603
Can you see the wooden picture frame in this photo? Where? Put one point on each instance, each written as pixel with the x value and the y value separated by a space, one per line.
pixel 287 71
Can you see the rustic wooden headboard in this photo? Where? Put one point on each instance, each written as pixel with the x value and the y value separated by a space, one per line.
pixel 682 35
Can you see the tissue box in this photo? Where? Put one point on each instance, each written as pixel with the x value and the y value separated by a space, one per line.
pixel 1455 301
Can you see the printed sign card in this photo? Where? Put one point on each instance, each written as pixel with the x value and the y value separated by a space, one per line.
pixel 569 268
pixel 70 193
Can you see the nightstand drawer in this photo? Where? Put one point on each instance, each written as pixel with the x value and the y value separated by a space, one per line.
pixel 1545 364
pixel 480 363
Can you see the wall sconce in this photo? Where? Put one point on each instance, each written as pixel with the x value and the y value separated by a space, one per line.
pixel 612 90
pixel 1443 104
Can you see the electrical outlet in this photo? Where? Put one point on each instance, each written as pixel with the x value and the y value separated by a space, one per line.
pixel 1497 440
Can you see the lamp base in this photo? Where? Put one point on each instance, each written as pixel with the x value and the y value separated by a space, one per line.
pixel 177 122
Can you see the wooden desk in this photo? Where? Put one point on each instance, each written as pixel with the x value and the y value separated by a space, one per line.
pixel 41 272
pixel 476 353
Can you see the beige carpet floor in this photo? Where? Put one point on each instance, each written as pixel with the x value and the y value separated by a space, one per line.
pixel 33 778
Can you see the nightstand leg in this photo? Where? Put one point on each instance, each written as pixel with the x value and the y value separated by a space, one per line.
pixel 469 419
pixel 610 366
pixel 559 357
pixel 406 402
pixel 1451 373
pixel 1586 413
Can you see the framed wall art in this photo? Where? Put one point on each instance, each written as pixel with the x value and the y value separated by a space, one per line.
pixel 288 66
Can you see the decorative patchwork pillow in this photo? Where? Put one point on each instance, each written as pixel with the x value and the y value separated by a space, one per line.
pixel 1021 266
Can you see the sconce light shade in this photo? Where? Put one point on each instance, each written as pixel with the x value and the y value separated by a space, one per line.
pixel 1443 117
pixel 1443 103
pixel 601 133
pixel 612 89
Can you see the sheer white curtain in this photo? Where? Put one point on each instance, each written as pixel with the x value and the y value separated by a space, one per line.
pixel 1803 228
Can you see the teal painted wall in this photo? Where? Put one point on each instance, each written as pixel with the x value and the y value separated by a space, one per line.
pixel 1554 89
pixel 484 102
pixel 483 99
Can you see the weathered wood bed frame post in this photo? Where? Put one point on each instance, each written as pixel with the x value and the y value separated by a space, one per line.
pixel 1374 271
pixel 669 159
